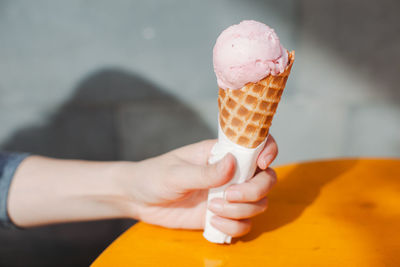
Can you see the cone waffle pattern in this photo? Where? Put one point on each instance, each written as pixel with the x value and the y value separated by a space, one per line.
pixel 245 115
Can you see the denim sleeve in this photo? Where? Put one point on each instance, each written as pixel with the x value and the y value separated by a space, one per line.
pixel 9 163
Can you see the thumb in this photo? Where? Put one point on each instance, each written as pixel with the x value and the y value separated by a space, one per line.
pixel 207 176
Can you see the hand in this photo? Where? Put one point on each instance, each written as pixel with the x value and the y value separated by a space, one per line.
pixel 171 190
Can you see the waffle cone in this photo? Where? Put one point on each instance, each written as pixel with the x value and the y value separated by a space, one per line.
pixel 245 115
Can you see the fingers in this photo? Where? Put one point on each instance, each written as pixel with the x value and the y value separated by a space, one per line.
pixel 189 176
pixel 252 190
pixel 197 153
pixel 268 154
pixel 237 211
pixel 241 202
pixel 233 228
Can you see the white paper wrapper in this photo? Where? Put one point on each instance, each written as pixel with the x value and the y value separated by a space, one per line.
pixel 245 168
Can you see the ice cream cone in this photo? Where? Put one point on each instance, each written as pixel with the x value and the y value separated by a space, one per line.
pixel 252 67
pixel 245 114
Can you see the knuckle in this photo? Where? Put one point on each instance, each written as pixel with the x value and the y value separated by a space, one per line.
pixel 245 213
pixel 204 174
pixel 270 172
pixel 237 215
pixel 244 227
pixel 256 193
pixel 174 171
pixel 275 147
pixel 272 175
pixel 238 228
pixel 233 211
pixel 264 208
pixel 254 211
pixel 266 202
pixel 264 205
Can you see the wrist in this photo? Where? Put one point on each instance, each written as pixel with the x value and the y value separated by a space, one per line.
pixel 122 188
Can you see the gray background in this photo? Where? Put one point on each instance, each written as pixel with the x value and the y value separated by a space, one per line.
pixel 111 80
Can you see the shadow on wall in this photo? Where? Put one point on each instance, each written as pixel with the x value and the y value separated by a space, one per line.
pixel 114 115
pixel 365 36
pixel 362 34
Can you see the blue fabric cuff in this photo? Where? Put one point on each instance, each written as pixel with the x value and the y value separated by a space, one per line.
pixel 9 163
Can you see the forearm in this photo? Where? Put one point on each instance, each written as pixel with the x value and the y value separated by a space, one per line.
pixel 46 191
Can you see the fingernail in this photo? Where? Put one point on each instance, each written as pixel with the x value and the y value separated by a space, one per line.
pixel 215 206
pixel 234 195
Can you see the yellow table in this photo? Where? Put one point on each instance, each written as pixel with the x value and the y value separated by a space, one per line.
pixel 326 213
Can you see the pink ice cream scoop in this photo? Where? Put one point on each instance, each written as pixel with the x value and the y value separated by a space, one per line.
pixel 247 52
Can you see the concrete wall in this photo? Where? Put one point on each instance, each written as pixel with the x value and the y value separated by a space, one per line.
pixel 110 80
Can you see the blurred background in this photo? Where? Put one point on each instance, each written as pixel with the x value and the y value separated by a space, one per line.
pixel 127 80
